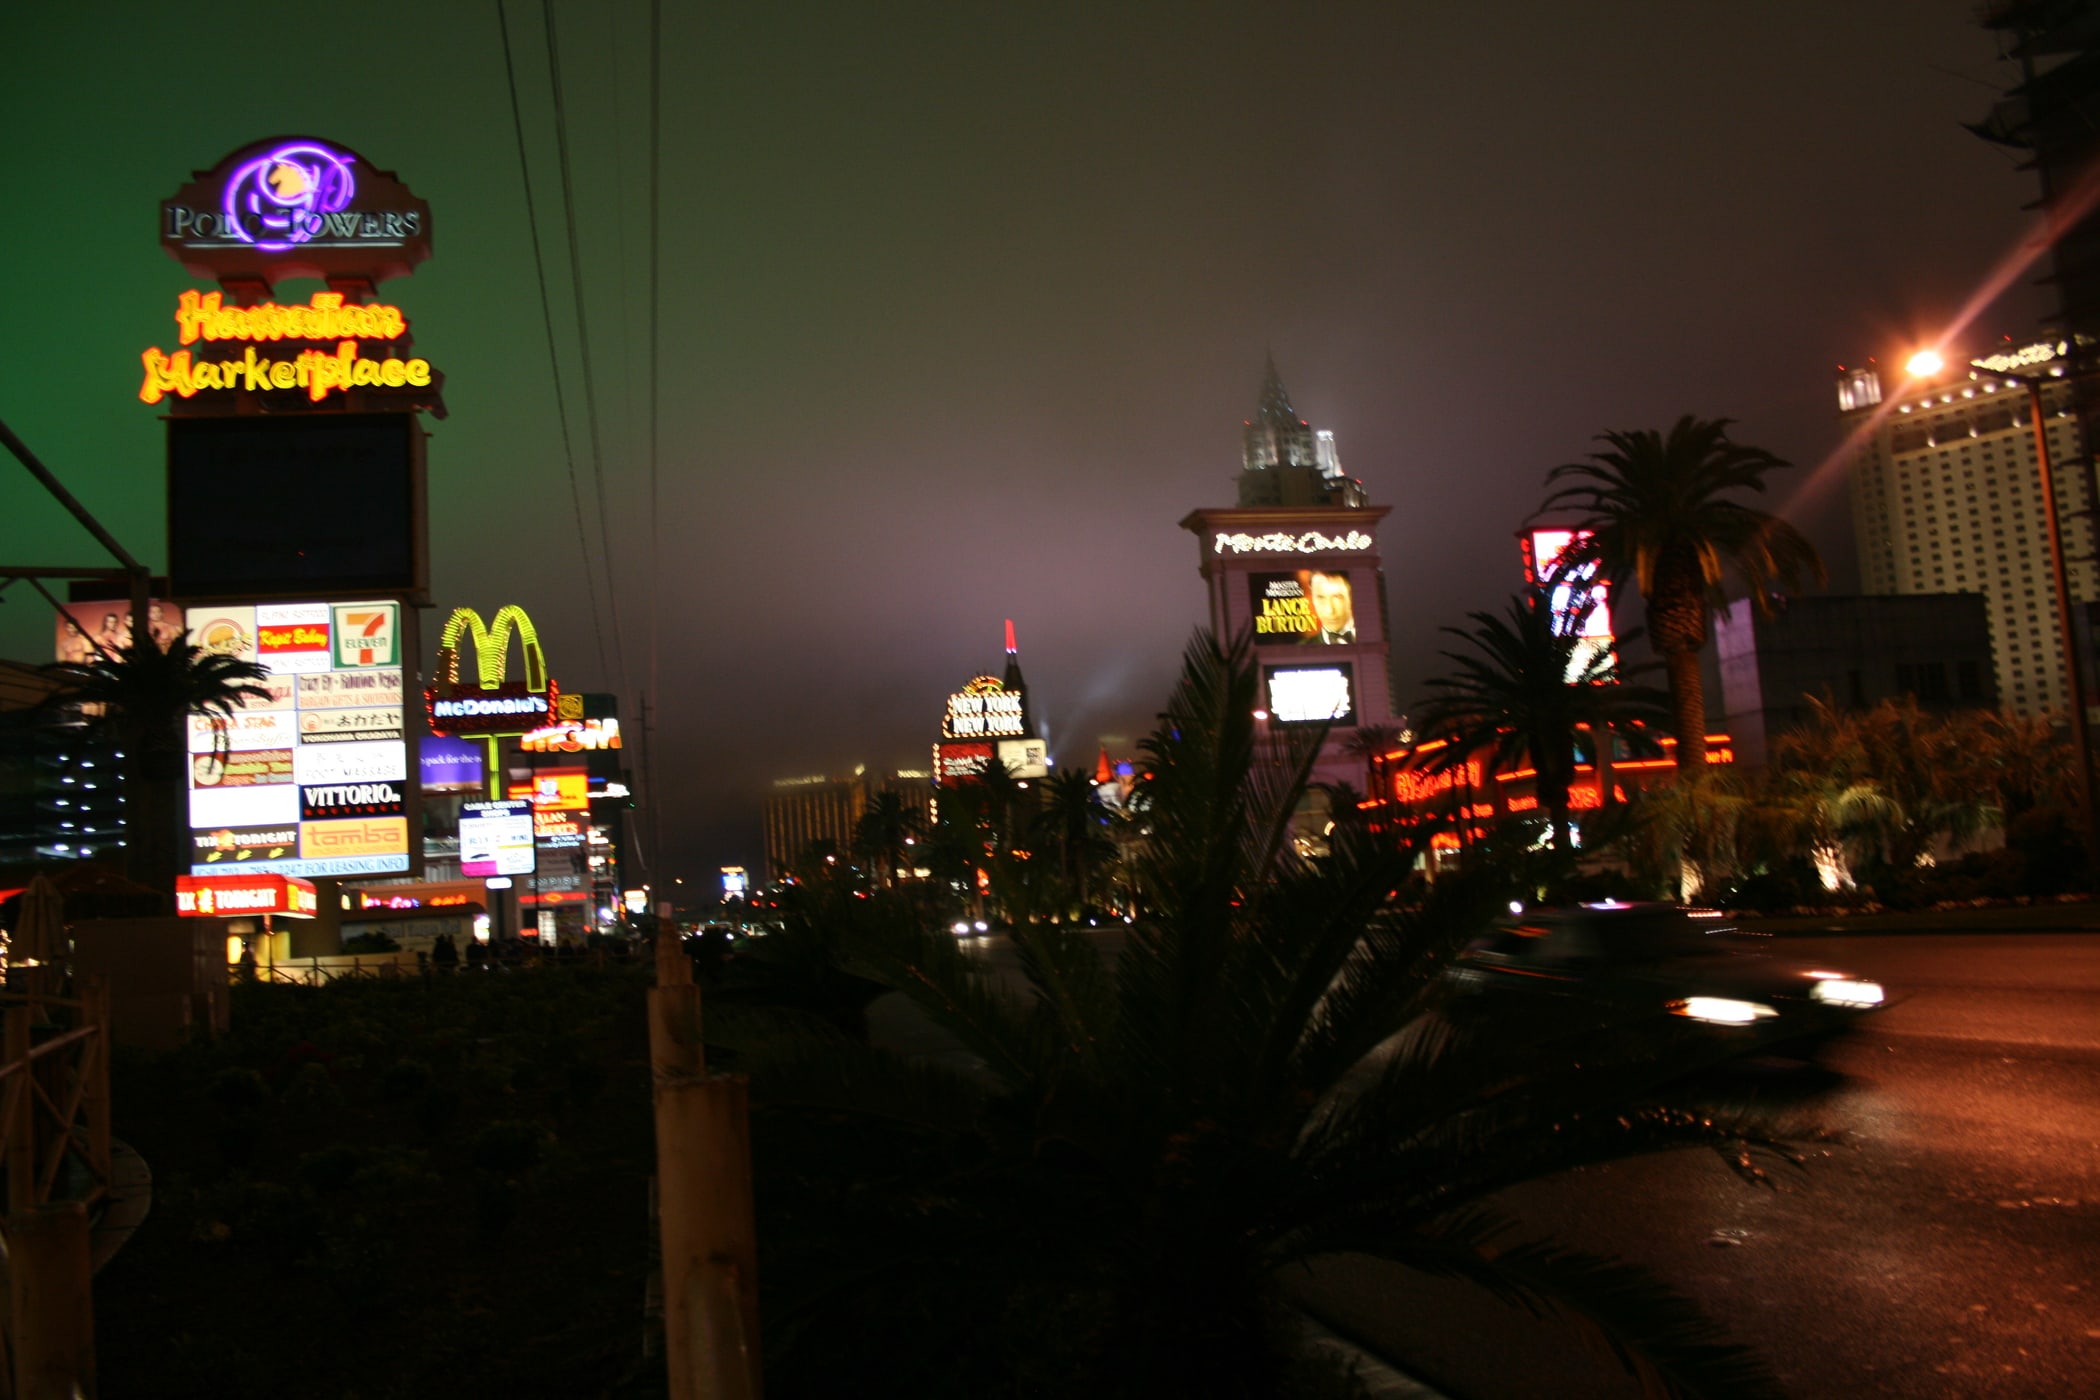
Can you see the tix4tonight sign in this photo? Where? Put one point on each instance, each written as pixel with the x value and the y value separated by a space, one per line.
pixel 257 892
pixel 316 371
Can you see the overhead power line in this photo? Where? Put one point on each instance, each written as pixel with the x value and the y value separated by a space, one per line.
pixel 583 341
pixel 561 403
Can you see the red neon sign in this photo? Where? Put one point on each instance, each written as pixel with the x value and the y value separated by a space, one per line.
pixel 221 896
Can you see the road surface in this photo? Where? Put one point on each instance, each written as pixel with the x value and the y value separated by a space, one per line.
pixel 1948 1245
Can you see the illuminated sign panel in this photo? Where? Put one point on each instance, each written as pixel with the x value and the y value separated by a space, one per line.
pixel 295 206
pixel 487 706
pixel 1027 758
pixel 249 892
pixel 1311 694
pixel 237 845
pixel 315 370
pixel 312 780
pixel 351 800
pixel 573 735
pixel 83 627
pixel 450 765
pixel 1572 595
pixel 1283 542
pixel 255 768
pixel 1310 606
pixel 984 708
pixel 495 838
pixel 960 762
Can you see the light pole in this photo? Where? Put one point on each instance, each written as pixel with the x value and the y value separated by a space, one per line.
pixel 1925 363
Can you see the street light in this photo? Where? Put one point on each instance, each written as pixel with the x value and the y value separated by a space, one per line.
pixel 1924 364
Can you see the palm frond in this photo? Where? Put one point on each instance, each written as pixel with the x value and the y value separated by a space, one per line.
pixel 1657 1334
pixel 931 972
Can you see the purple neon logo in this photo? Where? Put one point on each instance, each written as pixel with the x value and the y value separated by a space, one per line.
pixel 284 197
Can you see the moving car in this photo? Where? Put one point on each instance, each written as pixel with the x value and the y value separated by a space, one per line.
pixel 1652 968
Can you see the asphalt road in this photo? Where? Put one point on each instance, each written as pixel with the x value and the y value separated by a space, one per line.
pixel 1947 1244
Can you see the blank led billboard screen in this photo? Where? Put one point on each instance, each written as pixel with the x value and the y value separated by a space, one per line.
pixel 310 505
pixel 1312 694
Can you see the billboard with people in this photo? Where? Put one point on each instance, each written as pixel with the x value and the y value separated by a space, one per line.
pixel 1306 607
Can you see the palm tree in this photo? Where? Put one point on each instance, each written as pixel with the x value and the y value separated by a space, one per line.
pixel 1371 743
pixel 1656 512
pixel 885 833
pixel 141 697
pixel 1141 1146
pixel 1072 824
pixel 1529 691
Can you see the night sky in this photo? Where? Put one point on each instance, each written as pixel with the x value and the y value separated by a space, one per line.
pixel 961 309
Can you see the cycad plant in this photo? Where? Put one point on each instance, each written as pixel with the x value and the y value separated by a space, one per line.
pixel 1104 1188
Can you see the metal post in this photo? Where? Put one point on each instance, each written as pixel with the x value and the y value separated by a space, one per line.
pixel 20 1098
pixel 703 1170
pixel 2081 734
pixel 52 1302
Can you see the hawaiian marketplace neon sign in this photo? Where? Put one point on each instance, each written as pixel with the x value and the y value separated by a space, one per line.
pixel 316 371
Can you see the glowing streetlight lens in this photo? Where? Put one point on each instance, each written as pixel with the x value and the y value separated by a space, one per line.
pixel 1925 362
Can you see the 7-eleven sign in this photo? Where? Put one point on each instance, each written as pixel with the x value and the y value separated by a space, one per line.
pixel 366 634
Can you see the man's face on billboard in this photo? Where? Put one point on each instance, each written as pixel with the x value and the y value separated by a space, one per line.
pixel 1331 602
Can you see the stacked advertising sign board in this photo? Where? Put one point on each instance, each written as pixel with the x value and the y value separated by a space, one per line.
pixel 495 837
pixel 313 779
pixel 296 513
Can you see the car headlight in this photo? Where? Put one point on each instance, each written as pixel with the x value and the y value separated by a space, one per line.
pixel 1847 991
pixel 1721 1011
pixel 962 926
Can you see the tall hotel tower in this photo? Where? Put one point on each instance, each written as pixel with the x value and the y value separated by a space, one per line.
pixel 1947 498
pixel 1295 564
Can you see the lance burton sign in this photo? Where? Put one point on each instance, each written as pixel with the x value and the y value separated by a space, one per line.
pixel 295 207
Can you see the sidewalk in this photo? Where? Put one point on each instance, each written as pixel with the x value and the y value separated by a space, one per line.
pixel 2081 917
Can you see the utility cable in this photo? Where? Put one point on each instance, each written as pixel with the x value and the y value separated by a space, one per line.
pixel 539 269
pixel 656 592
pixel 583 339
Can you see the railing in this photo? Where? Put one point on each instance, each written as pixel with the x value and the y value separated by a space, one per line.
pixel 54 1095
pixel 55 1144
pixel 397 967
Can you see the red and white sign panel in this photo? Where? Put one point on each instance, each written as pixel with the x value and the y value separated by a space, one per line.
pixel 954 763
pixel 250 892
